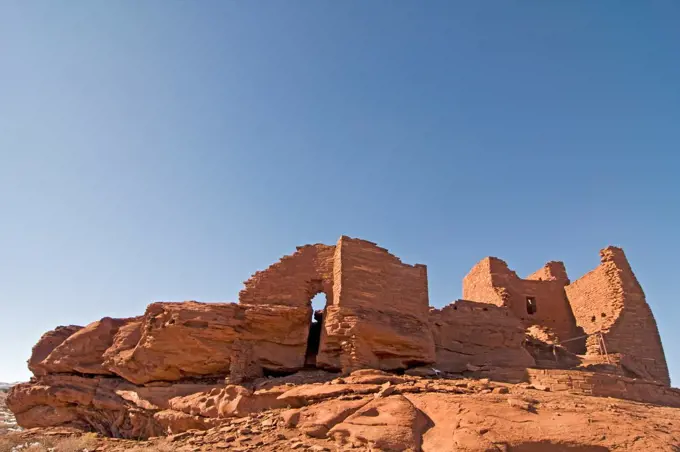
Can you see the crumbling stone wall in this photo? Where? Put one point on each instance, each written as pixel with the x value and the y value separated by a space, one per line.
pixel 294 279
pixel 378 316
pixel 552 271
pixel 491 281
pixel 468 333
pixel 610 300
pixel 377 306
pixel 604 385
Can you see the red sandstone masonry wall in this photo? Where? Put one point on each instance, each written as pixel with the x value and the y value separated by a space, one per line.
pixel 373 278
pixel 491 281
pixel 293 280
pixel 552 271
pixel 478 283
pixel 609 299
pixel 605 385
pixel 468 332
pixel 378 316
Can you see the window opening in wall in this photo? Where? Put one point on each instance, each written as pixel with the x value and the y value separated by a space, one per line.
pixel 531 305
pixel 318 303
pixel 314 338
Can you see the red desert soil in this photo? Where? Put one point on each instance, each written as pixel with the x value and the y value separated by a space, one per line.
pixel 426 414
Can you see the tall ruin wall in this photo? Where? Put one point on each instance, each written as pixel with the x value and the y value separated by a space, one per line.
pixel 376 306
pixel 378 316
pixel 294 280
pixel 492 281
pixel 609 300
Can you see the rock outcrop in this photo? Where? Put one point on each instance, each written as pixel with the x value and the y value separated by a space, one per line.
pixel 82 352
pixel 179 340
pixel 419 414
pixel 365 373
pixel 47 343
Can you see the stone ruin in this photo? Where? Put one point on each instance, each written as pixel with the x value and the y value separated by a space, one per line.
pixel 187 365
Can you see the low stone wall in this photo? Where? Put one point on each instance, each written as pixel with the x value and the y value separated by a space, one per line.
pixel 605 385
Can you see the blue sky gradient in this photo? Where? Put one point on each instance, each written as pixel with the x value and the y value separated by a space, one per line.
pixel 166 150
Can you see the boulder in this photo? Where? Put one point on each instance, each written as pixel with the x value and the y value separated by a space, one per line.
pixel 177 340
pixel 373 376
pixel 389 424
pixel 110 406
pixel 47 343
pixel 82 352
pixel 82 403
pixel 304 394
pixel 316 420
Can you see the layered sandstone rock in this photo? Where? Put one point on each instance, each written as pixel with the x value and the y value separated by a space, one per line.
pixel 83 351
pixel 367 409
pixel 109 406
pixel 391 423
pixel 178 340
pixel 47 343
pixel 457 418
pixel 193 366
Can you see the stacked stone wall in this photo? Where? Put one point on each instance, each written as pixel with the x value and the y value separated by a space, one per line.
pixel 491 281
pixel 604 385
pixel 467 333
pixel 378 316
pixel 609 300
pixel 294 279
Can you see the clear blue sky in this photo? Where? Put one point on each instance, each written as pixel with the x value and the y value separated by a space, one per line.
pixel 166 150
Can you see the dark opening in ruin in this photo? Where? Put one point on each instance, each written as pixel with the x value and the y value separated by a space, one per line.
pixel 531 305
pixel 314 338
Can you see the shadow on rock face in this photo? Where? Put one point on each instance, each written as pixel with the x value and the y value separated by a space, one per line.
pixel 544 446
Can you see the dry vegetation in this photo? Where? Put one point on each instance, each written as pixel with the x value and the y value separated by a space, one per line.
pixel 81 443
pixel 45 444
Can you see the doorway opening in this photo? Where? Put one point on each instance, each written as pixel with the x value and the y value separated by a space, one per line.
pixel 531 305
pixel 314 338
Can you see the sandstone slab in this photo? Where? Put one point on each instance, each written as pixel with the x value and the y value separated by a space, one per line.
pixel 389 424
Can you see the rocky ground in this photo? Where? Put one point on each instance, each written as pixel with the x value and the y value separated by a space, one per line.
pixel 428 414
pixel 8 423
